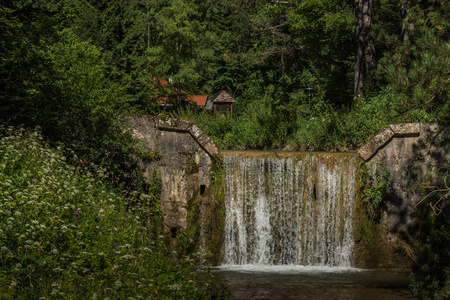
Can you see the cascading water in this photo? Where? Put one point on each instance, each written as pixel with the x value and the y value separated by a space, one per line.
pixel 291 210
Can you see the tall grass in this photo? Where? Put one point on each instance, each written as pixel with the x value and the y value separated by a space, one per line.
pixel 66 234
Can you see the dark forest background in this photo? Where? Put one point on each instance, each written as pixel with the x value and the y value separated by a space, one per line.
pixel 368 63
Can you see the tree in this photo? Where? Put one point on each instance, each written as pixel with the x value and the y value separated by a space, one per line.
pixel 54 80
pixel 365 61
pixel 322 32
pixel 417 67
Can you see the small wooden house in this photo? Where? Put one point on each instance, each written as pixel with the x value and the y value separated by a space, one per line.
pixel 223 104
pixel 167 95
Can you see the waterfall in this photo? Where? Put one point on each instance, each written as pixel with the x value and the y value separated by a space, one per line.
pixel 290 210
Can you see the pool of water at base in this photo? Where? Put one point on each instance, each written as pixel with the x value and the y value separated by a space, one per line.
pixel 301 282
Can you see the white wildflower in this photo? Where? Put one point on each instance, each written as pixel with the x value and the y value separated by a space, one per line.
pixel 174 287
pixel 118 284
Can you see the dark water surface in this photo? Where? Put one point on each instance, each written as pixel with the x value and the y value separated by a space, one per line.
pixel 297 282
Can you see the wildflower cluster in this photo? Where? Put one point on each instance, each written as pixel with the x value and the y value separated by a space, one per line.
pixel 64 233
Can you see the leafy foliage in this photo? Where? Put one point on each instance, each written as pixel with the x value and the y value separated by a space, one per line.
pixel 376 191
pixel 63 85
pixel 417 69
pixel 65 233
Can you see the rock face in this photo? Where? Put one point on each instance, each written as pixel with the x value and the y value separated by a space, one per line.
pixel 184 165
pixel 407 152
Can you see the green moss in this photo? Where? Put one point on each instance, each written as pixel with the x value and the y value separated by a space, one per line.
pixel 191 167
pixel 372 248
pixel 206 221
pixel 218 225
pixel 149 156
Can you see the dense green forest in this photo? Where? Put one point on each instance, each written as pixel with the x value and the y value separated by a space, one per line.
pixel 368 63
pixel 73 69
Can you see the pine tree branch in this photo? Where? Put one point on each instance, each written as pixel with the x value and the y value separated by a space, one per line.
pixel 273 27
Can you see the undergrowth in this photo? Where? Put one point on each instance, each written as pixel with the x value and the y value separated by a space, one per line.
pixel 66 234
pixel 262 126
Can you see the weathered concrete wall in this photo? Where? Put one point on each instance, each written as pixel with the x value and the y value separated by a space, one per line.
pixel 184 166
pixel 406 152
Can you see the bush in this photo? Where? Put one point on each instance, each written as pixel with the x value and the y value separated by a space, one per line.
pixel 64 233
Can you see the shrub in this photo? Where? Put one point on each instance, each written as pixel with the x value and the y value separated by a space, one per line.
pixel 64 233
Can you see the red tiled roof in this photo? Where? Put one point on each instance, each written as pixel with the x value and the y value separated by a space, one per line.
pixel 223 97
pixel 200 100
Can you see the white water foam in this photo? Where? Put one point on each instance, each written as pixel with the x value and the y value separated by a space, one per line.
pixel 288 269
pixel 294 211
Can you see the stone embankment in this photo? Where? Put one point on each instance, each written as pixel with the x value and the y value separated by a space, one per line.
pixel 407 152
pixel 184 165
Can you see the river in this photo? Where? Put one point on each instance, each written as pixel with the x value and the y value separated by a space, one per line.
pixel 302 282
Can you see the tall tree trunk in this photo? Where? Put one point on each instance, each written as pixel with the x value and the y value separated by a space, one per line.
pixel 365 60
pixel 407 26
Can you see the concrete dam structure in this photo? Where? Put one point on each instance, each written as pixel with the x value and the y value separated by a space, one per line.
pixel 287 208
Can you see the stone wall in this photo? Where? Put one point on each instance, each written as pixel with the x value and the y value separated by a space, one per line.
pixel 184 166
pixel 407 152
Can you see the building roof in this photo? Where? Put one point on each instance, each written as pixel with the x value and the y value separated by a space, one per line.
pixel 223 97
pixel 200 100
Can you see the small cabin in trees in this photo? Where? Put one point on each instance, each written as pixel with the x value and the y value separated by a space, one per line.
pixel 223 104
pixel 167 95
